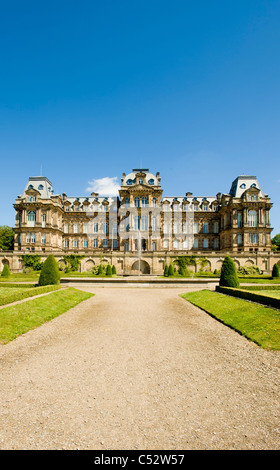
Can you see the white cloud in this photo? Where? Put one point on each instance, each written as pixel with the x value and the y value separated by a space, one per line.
pixel 104 186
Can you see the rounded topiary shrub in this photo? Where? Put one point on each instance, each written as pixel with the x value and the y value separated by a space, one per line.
pixel 6 271
pixel 171 270
pixel 49 273
pixel 109 270
pixel 275 271
pixel 229 276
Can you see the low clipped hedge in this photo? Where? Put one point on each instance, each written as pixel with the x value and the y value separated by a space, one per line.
pixel 248 295
pixel 26 292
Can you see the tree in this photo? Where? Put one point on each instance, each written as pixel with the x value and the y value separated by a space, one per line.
pixel 275 271
pixel 275 243
pixel 6 238
pixel 229 276
pixel 166 270
pixel 6 271
pixel 114 271
pixel 50 272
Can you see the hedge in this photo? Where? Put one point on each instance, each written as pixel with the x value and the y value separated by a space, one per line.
pixel 251 296
pixel 25 293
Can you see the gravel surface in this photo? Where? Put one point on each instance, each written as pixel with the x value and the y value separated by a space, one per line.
pixel 138 368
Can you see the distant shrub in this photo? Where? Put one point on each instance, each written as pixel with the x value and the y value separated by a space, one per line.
pixel 229 276
pixel 275 271
pixel 50 272
pixel 166 270
pixel 6 271
pixel 114 271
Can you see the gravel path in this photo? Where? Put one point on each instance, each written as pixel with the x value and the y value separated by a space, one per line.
pixel 138 368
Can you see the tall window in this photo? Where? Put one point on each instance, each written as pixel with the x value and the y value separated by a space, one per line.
pixel 86 227
pixel 154 246
pixel 252 218
pixel 239 219
pixel 176 244
pixel 205 243
pixel 154 202
pixel 205 228
pixel 85 243
pixel 144 222
pixel 126 246
pixel 136 202
pixel 44 219
pixel 136 222
pixel 216 227
pixel 43 239
pixel 95 243
pixel 105 243
pixel 28 237
pixel 186 244
pixel 126 202
pixel 105 227
pixel 195 227
pixel 76 243
pixel 216 243
pixel 176 227
pixel 66 243
pixel 154 224
pixel 115 243
pixel 239 239
pixel 95 227
pixel 144 202
pixel 76 228
pixel 66 228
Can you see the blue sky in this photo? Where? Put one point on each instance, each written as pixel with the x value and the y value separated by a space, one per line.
pixel 91 89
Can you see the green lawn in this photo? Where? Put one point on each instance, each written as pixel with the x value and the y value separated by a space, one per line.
pixel 256 322
pixel 21 277
pixel 18 319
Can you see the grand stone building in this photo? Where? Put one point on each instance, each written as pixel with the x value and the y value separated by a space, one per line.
pixel 141 228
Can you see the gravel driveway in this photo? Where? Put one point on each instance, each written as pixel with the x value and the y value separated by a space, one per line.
pixel 138 368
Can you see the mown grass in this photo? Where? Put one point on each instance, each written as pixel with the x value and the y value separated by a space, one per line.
pixel 256 322
pixel 18 319
pixel 21 277
pixel 13 294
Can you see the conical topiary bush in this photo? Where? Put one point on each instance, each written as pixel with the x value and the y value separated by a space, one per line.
pixel 171 270
pixel 6 271
pixel 229 276
pixel 109 270
pixel 166 270
pixel 275 271
pixel 114 271
pixel 50 272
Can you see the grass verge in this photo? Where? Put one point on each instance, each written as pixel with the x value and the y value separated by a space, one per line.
pixel 18 319
pixel 256 322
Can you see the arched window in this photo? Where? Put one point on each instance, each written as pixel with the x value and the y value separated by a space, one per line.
pixel 252 218
pixel 144 202
pixel 176 244
pixel 154 202
pixel 31 216
pixel 140 181
pixel 205 243
pixel 186 243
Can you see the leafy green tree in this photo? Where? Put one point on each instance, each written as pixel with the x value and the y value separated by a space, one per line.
pixel 229 277
pixel 6 238
pixel 6 271
pixel 50 272
pixel 275 271
pixel 32 261
pixel 275 243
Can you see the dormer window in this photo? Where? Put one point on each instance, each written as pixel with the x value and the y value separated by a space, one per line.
pixel 140 181
pixel 129 182
pixel 40 187
pixel 243 186
pixel 151 181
